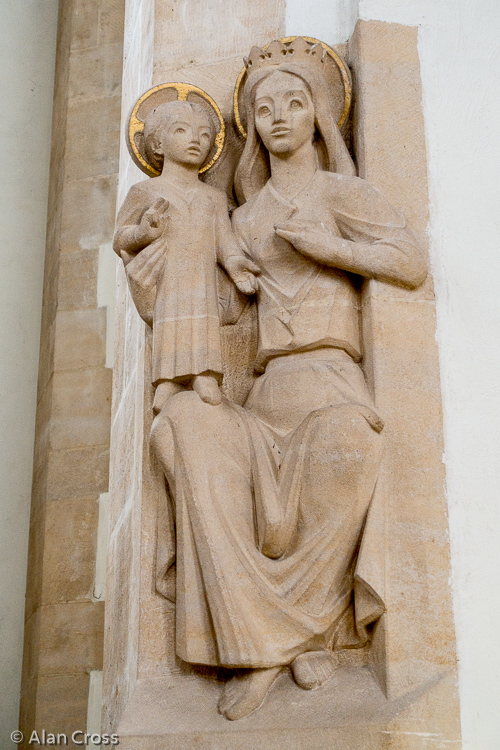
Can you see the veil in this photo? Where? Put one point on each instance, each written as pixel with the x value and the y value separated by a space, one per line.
pixel 253 170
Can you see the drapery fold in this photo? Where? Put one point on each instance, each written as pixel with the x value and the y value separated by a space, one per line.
pixel 268 522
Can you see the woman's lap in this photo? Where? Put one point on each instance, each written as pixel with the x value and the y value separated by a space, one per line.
pixel 221 464
pixel 294 386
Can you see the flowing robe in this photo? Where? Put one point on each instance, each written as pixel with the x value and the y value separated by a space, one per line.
pixel 178 275
pixel 272 500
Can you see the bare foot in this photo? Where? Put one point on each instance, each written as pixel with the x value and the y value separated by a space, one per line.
pixel 164 391
pixel 207 388
pixel 313 668
pixel 246 691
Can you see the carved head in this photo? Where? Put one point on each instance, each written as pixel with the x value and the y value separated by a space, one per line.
pixel 181 132
pixel 284 114
pixel 293 97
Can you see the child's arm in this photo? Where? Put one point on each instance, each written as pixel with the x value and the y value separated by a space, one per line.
pixel 137 224
pixel 230 256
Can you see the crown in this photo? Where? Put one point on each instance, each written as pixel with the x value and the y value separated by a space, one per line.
pixel 276 53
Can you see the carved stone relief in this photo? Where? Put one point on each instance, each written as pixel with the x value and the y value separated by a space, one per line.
pixel 270 499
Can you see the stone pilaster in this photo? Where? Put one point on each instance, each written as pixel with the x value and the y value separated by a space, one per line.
pixel 64 623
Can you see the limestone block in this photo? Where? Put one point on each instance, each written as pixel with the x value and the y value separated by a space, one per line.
pixel 156 655
pixel 219 35
pixel 69 550
pixel 31 635
pixel 96 71
pixel 78 472
pixel 119 328
pixel 35 558
pixel 404 369
pixel 30 672
pixel 72 456
pixel 128 366
pixel 387 81
pixel 348 713
pixel 42 427
pixel 28 705
pixel 80 339
pixel 91 125
pixel 62 704
pixel 71 636
pixel 89 214
pixel 77 287
pixel 84 27
pixel 47 342
pixel 111 21
pixel 81 408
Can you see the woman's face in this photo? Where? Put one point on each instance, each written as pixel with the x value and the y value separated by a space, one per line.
pixel 284 113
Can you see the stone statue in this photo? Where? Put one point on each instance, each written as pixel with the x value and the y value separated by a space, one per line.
pixel 171 231
pixel 271 498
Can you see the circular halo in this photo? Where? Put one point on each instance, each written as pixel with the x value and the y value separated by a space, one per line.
pixel 342 68
pixel 166 92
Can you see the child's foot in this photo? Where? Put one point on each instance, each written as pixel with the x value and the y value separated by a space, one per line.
pixel 207 388
pixel 164 391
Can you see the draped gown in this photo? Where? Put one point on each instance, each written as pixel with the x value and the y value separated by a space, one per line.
pixel 272 499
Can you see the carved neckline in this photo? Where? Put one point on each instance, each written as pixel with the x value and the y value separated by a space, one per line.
pixel 187 194
pixel 290 201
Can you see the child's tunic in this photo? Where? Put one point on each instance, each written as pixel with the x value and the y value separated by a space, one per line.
pixel 186 326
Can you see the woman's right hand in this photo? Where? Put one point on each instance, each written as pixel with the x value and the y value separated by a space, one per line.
pixel 152 223
pixel 315 241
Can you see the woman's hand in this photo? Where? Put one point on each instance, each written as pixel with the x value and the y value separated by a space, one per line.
pixel 315 241
pixel 152 223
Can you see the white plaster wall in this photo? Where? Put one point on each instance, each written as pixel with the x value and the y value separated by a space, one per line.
pixel 27 58
pixel 460 57
pixel 331 21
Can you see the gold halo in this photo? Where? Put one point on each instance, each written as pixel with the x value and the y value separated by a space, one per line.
pixel 343 69
pixel 153 98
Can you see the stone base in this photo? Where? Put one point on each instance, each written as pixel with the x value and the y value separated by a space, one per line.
pixel 349 713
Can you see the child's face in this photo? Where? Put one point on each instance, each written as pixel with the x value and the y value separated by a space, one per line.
pixel 187 139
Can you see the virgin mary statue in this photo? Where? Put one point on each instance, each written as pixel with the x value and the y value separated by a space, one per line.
pixel 272 498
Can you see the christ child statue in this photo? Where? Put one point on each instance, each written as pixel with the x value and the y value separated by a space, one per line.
pixel 172 230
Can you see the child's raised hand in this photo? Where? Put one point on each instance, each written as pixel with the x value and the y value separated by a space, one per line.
pixel 243 272
pixel 153 222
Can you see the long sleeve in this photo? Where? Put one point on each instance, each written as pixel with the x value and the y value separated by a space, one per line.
pixel 227 244
pixel 394 258
pixel 129 216
pixel 232 303
pixel 352 227
pixel 141 268
pixel 377 243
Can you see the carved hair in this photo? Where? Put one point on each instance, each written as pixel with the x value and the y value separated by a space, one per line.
pixel 253 168
pixel 161 117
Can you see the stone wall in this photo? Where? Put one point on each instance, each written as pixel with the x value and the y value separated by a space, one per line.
pixel 64 621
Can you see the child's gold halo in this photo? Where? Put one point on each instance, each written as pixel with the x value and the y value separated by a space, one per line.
pixel 167 92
